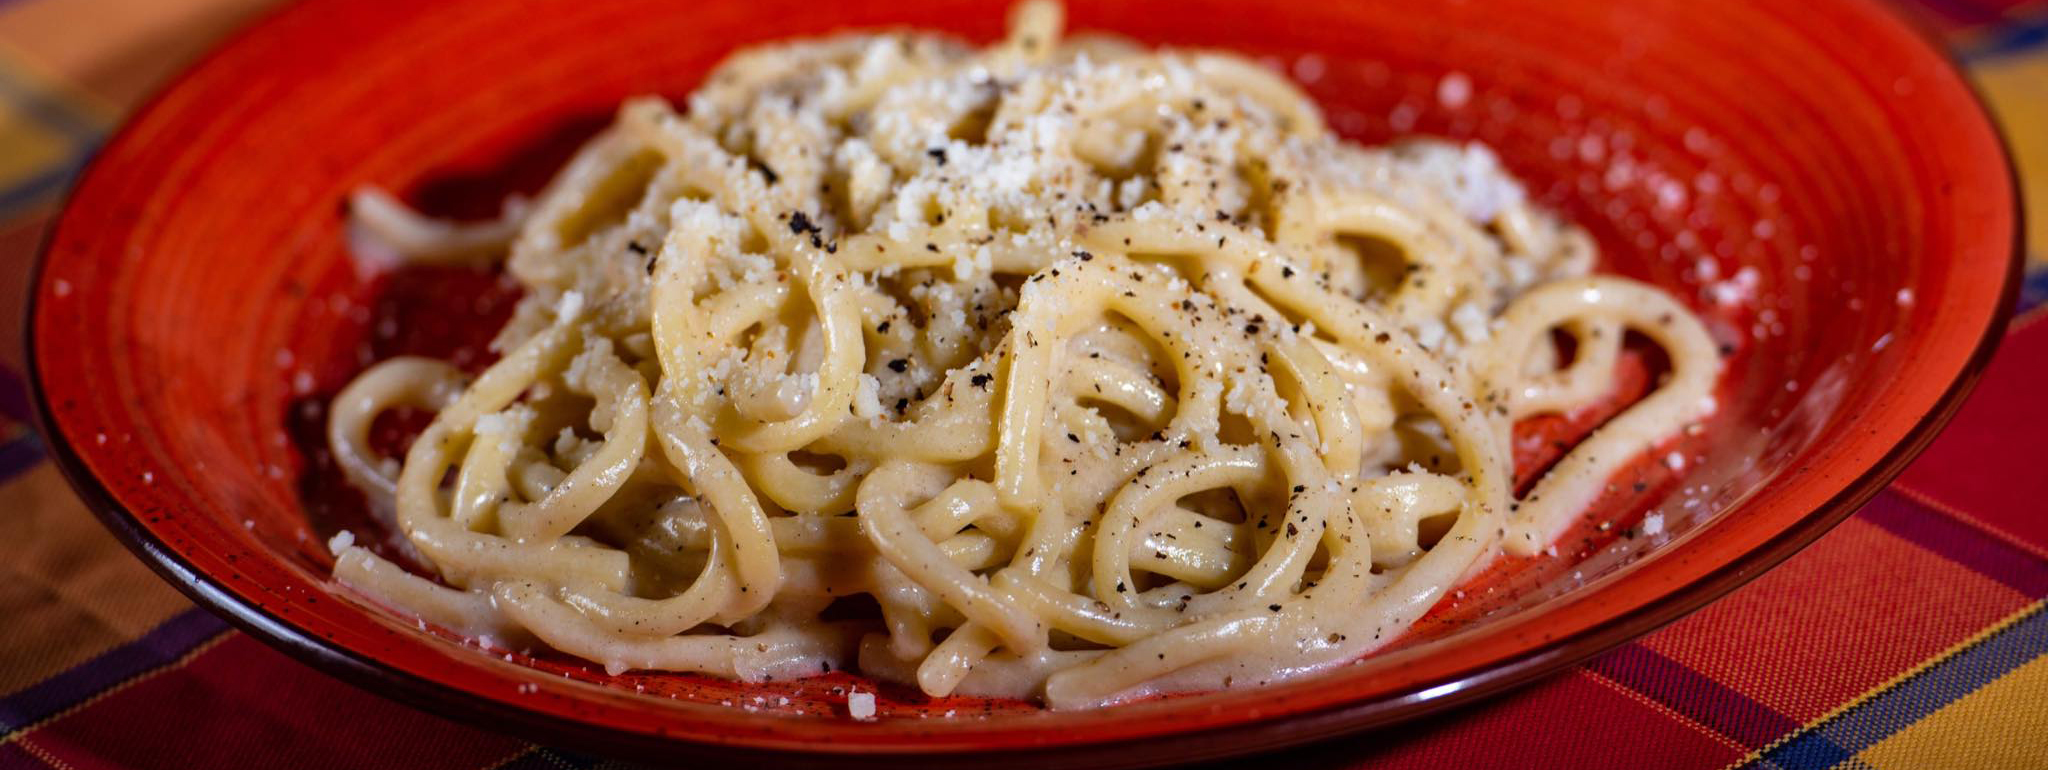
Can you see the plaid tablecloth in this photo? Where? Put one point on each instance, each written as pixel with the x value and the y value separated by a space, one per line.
pixel 1914 635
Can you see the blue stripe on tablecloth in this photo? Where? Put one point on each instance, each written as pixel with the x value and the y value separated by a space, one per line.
pixel 47 108
pixel 42 184
pixel 1693 694
pixel 1832 742
pixel 19 454
pixel 2018 36
pixel 14 401
pixel 161 646
pixel 20 449
pixel 1959 542
pixel 1747 721
pixel 2034 290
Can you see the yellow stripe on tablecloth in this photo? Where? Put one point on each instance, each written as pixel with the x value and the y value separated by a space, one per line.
pixel 1860 701
pixel 46 133
pixel 2016 85
pixel 32 147
pixel 68 589
pixel 2001 725
pixel 46 136
pixel 25 71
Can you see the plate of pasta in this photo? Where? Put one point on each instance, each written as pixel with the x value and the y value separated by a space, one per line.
pixel 1117 385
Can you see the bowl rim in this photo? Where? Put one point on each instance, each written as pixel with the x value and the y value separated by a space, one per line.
pixel 1246 736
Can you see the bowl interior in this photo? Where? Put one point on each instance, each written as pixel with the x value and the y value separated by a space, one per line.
pixel 1815 181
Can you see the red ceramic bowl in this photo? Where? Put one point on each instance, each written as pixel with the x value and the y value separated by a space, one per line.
pixel 196 306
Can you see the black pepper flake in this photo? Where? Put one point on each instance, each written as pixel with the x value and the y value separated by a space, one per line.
pixel 1084 256
pixel 1383 338
pixel 635 247
pixel 899 365
pixel 1073 438
pixel 937 154
pixel 883 328
pixel 801 223
pixel 1286 272
pixel 931 247
pixel 1273 607
pixel 1298 489
pixel 981 380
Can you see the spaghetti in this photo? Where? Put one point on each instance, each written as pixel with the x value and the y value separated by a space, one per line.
pixel 1102 372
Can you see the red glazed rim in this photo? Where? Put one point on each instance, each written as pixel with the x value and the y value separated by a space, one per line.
pixel 1174 730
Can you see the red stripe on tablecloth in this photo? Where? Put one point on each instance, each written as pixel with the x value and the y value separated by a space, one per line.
pixel 1961 515
pixel 1568 721
pixel 15 757
pixel 1960 542
pixel 241 704
pixel 162 646
pixel 1845 615
pixel 1693 694
pixel 1989 462
pixel 1975 12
